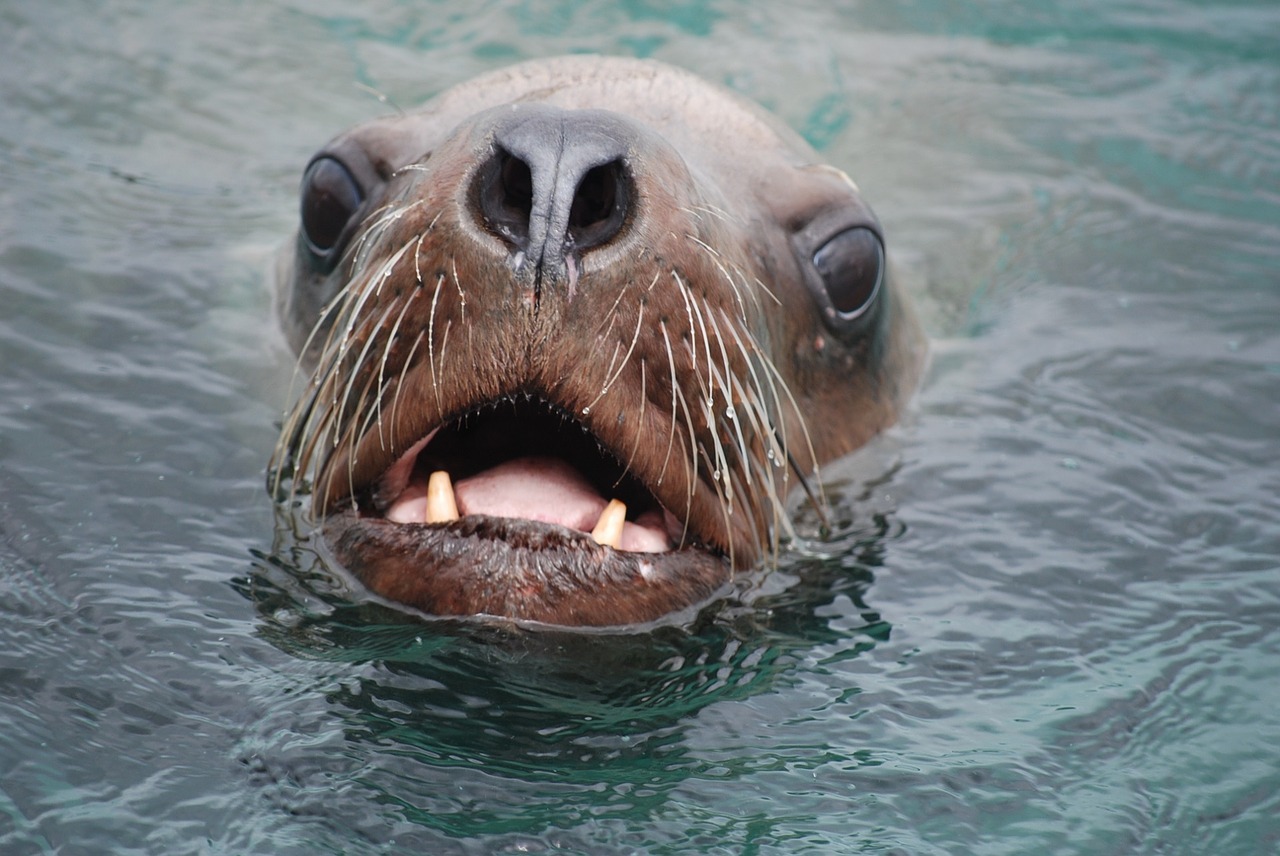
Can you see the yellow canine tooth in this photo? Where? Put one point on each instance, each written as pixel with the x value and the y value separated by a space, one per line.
pixel 608 531
pixel 441 506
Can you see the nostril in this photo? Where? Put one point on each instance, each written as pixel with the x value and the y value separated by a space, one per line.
pixel 506 198
pixel 599 205
pixel 517 186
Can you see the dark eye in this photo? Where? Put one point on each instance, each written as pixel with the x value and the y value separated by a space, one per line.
pixel 330 197
pixel 851 265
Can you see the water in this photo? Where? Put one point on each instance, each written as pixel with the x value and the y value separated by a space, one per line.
pixel 1050 621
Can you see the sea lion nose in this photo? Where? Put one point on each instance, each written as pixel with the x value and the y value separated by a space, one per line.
pixel 556 186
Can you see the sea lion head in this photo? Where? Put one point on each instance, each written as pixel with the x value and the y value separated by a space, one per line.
pixel 573 331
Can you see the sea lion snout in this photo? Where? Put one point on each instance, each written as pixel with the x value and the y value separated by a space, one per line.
pixel 555 186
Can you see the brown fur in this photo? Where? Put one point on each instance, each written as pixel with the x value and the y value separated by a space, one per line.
pixel 697 306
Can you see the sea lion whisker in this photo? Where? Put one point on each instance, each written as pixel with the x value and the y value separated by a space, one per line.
pixel 761 285
pixel 321 405
pixel 800 420
pixel 751 471
pixel 762 434
pixel 740 283
pixel 462 303
pixel 711 251
pixel 781 521
pixel 726 382
pixel 675 391
pixel 314 434
pixel 691 464
pixel 613 310
pixel 638 421
pixel 694 211
pixel 692 340
pixel 457 284
pixel 603 335
pixel 380 221
pixel 388 268
pixel 358 366
pixel 706 400
pixel 417 251
pixel 613 377
pixel 444 340
pixel 758 474
pixel 749 406
pixel 388 216
pixel 324 325
pixel 695 312
pixel 382 97
pixel 417 261
pixel 721 471
pixel 349 436
pixel 609 376
pixel 282 456
pixel 725 501
pixel 724 354
pixel 817 503
pixel 754 356
pixel 431 342
pixel 386 354
pixel 764 420
pixel 371 287
pixel 718 260
pixel 723 382
pixel 283 459
pixel 717 211
pixel 404 370
pixel 344 322
pixel 372 415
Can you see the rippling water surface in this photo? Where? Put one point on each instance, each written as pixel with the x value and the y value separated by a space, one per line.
pixel 1049 623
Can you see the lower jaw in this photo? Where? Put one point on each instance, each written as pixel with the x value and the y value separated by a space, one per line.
pixel 521 570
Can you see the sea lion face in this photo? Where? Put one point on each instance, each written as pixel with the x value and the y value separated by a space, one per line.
pixel 572 331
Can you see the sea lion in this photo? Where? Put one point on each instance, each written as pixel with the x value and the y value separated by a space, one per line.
pixel 574 330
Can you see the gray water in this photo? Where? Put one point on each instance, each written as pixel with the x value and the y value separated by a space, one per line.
pixel 1049 621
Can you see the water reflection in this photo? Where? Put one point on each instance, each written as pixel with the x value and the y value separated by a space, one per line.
pixel 464 726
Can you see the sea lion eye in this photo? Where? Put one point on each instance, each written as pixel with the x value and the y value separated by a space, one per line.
pixel 851 265
pixel 330 198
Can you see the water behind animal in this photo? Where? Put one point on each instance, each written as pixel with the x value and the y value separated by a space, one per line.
pixel 1047 622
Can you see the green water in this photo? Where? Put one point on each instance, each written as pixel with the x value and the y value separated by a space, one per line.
pixel 1049 621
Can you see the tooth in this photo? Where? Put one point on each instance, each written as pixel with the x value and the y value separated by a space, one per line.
pixel 608 531
pixel 441 506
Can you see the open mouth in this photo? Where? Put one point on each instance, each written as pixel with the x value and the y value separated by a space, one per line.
pixel 523 459
pixel 516 509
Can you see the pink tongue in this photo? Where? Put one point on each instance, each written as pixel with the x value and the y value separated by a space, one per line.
pixel 543 489
pixel 533 488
